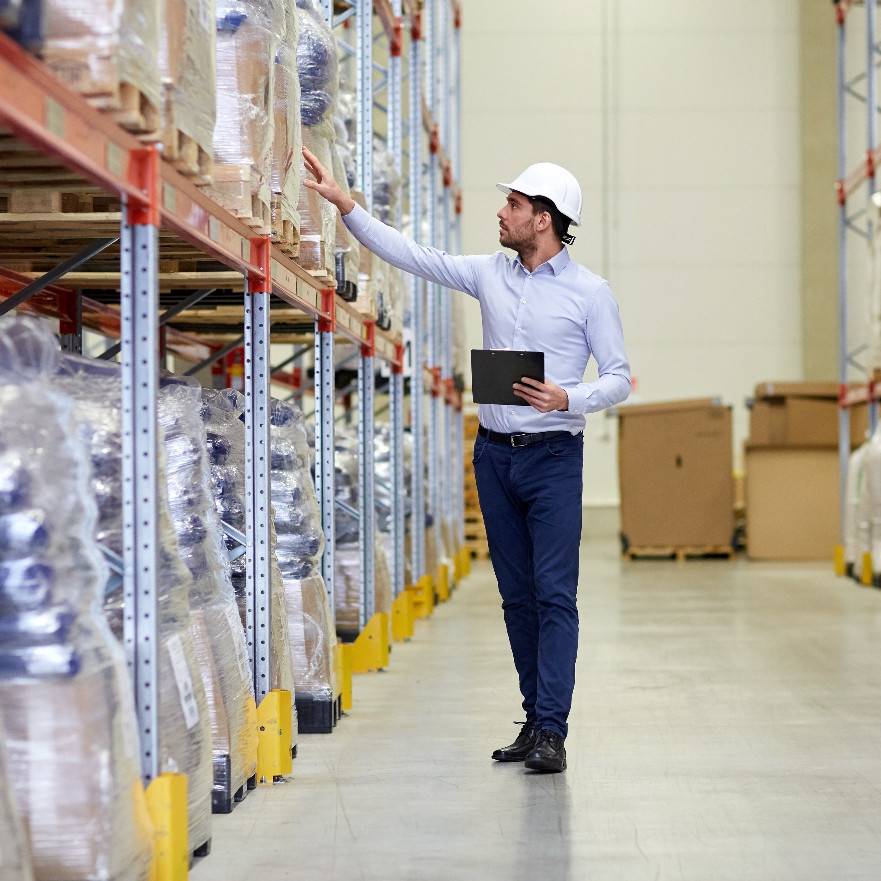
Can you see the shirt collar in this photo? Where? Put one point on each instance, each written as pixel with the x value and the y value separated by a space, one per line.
pixel 557 263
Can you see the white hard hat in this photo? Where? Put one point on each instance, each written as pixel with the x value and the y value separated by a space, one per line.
pixel 552 182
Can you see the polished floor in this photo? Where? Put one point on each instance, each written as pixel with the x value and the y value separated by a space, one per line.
pixel 727 725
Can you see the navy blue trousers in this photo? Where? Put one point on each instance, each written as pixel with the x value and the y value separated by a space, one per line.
pixel 531 503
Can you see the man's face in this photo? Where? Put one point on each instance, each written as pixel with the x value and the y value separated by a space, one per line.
pixel 517 222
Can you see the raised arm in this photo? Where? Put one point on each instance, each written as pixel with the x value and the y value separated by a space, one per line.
pixel 389 244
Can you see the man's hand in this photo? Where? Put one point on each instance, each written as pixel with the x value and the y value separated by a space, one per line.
pixel 541 396
pixel 325 185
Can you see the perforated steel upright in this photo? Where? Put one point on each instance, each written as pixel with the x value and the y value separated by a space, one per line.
pixel 396 384
pixel 417 301
pixel 435 416
pixel 258 509
pixel 139 301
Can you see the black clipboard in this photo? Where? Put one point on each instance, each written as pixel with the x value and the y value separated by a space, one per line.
pixel 494 372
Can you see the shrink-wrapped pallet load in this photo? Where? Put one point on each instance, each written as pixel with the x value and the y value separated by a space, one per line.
pixel 287 156
pixel 107 50
pixel 383 494
pixel 856 486
pixel 184 722
pixel 225 432
pixel 318 73
pixel 221 650
pixel 347 248
pixel 189 103
pixel 249 33
pixel 15 852
pixel 68 719
pixel 300 543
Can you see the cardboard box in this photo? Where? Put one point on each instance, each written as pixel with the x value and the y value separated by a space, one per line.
pixel 792 510
pixel 801 414
pixel 675 466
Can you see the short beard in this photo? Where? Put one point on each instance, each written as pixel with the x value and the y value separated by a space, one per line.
pixel 521 239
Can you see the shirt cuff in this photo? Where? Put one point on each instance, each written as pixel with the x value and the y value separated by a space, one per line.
pixel 356 220
pixel 578 396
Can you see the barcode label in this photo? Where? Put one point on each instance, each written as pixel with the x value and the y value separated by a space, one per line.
pixel 238 639
pixel 184 681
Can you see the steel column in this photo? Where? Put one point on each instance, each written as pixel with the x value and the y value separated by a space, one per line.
pixel 139 298
pixel 324 450
pixel 258 506
pixel 364 100
pixel 366 477
pixel 417 313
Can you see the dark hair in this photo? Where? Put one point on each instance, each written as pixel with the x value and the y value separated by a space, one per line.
pixel 559 221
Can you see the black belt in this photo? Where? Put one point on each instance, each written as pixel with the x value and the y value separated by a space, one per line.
pixel 522 438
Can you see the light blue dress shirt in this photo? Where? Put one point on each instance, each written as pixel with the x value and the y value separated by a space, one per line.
pixel 561 309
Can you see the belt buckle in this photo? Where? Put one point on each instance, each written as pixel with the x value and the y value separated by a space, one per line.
pixel 520 436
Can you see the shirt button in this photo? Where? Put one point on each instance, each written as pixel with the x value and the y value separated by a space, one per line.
pixel 523 300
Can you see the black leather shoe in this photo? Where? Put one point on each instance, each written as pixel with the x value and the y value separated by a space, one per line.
pixel 549 754
pixel 521 747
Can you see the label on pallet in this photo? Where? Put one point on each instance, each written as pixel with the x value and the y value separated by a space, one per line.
pixel 235 626
pixel 184 682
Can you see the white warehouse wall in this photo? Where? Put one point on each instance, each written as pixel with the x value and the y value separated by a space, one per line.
pixel 681 120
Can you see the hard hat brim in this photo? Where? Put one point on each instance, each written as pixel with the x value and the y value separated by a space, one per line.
pixel 507 189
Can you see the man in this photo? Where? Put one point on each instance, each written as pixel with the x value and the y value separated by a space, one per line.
pixel 528 461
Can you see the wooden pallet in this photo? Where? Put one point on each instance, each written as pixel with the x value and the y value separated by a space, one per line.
pixel 131 109
pixel 188 156
pixel 238 188
pixel 686 552
pixel 284 231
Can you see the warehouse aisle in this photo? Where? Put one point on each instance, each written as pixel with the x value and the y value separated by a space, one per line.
pixel 727 726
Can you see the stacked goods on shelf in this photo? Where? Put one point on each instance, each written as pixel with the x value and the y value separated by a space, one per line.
pixel 108 51
pixel 675 464
pixel 223 413
pixel 184 722
pixel 792 470
pixel 318 71
pixel 15 853
pixel 249 33
pixel 383 490
pixel 186 64
pixel 347 249
pixel 68 720
pixel 347 553
pixel 218 637
pixel 475 531
pixel 867 526
pixel 299 547
pixel 857 534
pixel 389 289
pixel 288 139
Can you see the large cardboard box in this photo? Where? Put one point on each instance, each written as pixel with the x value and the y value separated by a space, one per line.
pixel 801 414
pixel 792 510
pixel 675 466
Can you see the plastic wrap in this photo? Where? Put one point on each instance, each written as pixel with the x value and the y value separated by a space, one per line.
pixel 222 412
pixel 855 489
pixel 185 728
pixel 249 34
pixel 300 544
pixel 347 247
pixel 186 63
pixel 218 637
pixel 68 718
pixel 15 852
pixel 319 81
pixel 104 49
pixel 870 501
pixel 287 161
pixel 317 65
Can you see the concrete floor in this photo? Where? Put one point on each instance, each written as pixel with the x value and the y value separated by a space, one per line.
pixel 727 725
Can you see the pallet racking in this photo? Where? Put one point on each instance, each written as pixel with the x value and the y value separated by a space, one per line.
pixel 161 215
pixel 859 88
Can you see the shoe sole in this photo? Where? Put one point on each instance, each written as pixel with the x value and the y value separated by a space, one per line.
pixel 496 758
pixel 544 767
